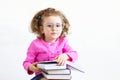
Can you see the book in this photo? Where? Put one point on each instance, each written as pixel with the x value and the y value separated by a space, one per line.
pixel 57 76
pixel 50 65
pixel 58 71
pixel 51 71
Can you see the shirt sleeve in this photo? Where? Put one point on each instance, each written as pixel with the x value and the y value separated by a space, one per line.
pixel 73 55
pixel 30 58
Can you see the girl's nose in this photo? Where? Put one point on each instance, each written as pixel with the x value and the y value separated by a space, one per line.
pixel 54 28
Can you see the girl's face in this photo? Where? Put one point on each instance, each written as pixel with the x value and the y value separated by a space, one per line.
pixel 52 28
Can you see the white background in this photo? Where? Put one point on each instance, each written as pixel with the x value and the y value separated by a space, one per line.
pixel 95 34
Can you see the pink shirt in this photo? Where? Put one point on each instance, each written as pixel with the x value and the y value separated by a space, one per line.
pixel 39 50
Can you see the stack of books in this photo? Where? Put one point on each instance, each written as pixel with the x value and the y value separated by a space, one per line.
pixel 52 71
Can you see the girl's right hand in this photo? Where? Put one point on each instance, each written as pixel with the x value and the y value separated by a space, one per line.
pixel 33 67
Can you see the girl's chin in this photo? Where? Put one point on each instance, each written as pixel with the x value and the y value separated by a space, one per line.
pixel 54 37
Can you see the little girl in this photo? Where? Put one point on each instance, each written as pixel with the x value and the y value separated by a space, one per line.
pixel 51 27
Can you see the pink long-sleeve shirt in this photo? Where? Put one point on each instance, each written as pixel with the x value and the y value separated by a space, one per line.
pixel 39 50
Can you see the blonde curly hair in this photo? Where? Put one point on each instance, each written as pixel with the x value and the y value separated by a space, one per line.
pixel 37 21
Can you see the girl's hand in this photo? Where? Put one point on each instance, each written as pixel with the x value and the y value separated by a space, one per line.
pixel 34 68
pixel 61 59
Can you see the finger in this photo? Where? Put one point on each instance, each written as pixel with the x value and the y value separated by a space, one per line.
pixel 35 63
pixel 61 62
pixel 56 57
pixel 36 69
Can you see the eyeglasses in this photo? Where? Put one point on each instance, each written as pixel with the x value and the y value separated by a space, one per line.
pixel 52 26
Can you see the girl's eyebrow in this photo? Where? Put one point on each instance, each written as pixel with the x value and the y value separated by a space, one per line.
pixel 53 23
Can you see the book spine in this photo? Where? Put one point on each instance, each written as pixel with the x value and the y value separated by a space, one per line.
pixel 60 72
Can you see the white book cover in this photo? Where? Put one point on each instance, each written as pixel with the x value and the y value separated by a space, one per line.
pixel 74 66
pixel 50 65
pixel 56 76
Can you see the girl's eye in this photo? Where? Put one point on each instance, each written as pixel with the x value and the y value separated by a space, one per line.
pixel 58 25
pixel 49 25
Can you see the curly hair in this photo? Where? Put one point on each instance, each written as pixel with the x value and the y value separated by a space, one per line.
pixel 37 21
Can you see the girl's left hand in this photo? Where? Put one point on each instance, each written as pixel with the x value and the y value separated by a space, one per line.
pixel 61 59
